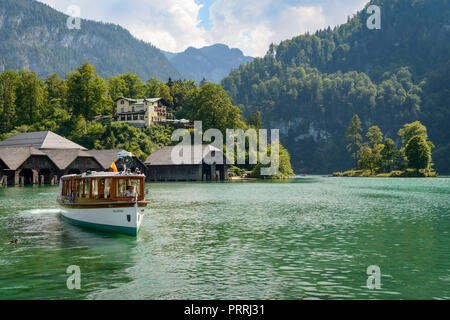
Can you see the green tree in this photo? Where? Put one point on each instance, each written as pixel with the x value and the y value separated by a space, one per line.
pixel 284 165
pixel 151 88
pixel 354 138
pixel 86 93
pixel 411 130
pixel 30 98
pixel 255 120
pixel 131 85
pixel 389 154
pixel 212 105
pixel 180 91
pixel 8 84
pixel 418 153
pixel 56 88
pixel 117 88
pixel 375 136
pixel 370 157
pixel 164 92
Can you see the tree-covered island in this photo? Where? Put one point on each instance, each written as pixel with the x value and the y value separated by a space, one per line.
pixel 378 156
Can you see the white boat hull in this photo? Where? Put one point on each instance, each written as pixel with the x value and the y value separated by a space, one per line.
pixel 126 220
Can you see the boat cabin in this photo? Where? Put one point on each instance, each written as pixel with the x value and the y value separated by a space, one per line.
pixel 102 187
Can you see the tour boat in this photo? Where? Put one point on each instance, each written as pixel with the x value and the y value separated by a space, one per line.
pixel 109 201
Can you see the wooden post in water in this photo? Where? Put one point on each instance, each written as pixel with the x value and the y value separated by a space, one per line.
pixel 35 177
pixel 42 179
pixel 22 181
pixel 213 172
pixel 17 178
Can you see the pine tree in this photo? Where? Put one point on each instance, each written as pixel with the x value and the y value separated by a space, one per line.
pixel 354 137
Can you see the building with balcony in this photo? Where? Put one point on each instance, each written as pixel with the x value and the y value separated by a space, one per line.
pixel 142 113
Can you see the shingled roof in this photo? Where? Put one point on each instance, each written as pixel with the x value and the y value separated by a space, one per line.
pixel 14 157
pixel 40 140
pixel 63 158
pixel 140 101
pixel 163 157
pixel 107 157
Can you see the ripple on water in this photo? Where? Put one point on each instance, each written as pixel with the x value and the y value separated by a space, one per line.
pixel 309 238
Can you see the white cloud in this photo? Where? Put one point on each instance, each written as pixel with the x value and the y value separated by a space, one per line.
pixel 170 25
pixel 253 25
pixel 250 25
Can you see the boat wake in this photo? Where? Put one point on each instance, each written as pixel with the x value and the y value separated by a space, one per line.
pixel 43 211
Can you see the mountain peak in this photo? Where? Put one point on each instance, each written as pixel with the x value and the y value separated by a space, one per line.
pixel 212 62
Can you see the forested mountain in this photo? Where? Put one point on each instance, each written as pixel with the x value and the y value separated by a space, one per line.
pixel 311 86
pixel 36 37
pixel 212 63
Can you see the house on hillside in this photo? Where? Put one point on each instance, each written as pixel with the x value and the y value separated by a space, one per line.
pixel 142 113
pixel 161 167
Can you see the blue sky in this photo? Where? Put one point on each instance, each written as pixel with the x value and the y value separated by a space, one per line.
pixel 250 25
pixel 203 14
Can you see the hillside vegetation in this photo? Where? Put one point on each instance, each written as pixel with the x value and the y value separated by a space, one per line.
pixel 81 108
pixel 36 37
pixel 312 85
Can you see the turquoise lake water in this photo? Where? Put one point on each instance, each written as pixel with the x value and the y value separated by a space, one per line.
pixel 306 238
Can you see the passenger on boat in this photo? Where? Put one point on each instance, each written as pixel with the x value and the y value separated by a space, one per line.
pixel 129 193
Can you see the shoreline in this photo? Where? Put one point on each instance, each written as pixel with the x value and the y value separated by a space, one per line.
pixel 392 174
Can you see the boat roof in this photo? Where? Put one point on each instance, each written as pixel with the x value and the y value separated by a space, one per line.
pixel 94 174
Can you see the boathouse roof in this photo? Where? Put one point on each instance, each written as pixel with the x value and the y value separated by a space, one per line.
pixel 40 140
pixel 14 157
pixel 64 158
pixel 163 156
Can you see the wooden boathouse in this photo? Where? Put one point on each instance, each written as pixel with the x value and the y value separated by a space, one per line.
pixel 41 158
pixel 161 167
pixel 35 158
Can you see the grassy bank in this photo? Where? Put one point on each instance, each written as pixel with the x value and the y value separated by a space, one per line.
pixel 409 173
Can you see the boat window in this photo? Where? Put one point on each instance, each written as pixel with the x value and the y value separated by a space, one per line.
pixel 121 187
pixel 85 188
pixel 94 188
pixel 77 188
pixel 136 186
pixel 107 188
pixel 127 188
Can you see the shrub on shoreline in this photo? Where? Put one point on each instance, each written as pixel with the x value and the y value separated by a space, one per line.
pixel 393 174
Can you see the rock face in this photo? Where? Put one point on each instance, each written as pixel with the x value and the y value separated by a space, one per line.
pixel 36 37
pixel 212 63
